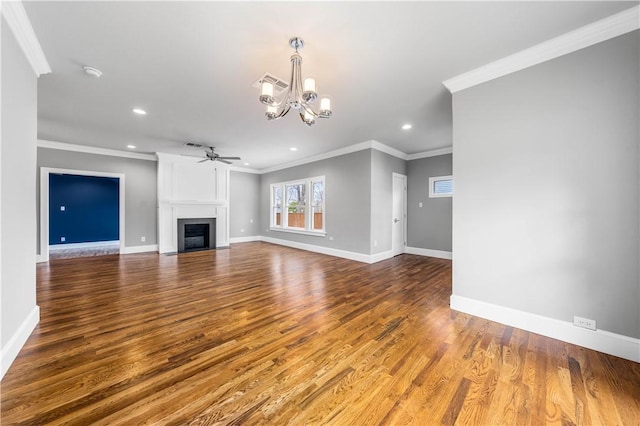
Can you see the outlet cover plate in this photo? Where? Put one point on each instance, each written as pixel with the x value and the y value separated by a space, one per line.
pixel 584 323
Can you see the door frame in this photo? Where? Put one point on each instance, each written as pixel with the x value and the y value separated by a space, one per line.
pixel 394 250
pixel 44 204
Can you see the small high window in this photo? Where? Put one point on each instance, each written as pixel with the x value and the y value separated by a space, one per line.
pixel 441 186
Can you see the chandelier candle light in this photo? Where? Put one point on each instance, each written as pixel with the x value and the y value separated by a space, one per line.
pixel 298 96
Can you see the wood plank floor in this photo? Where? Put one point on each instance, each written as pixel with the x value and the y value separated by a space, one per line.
pixel 263 334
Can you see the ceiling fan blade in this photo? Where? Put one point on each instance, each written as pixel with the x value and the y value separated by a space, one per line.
pixel 203 160
pixel 229 158
pixel 223 161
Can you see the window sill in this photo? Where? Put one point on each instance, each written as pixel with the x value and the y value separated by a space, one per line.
pixel 300 231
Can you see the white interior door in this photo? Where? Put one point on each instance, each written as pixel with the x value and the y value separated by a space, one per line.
pixel 399 219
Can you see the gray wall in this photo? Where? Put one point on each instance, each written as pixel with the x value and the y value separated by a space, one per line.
pixel 17 191
pixel 244 204
pixel 141 183
pixel 347 201
pixel 546 166
pixel 382 168
pixel 429 226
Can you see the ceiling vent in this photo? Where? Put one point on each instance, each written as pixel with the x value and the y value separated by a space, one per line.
pixel 278 84
pixel 193 145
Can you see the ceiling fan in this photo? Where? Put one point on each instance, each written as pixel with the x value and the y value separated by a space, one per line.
pixel 214 156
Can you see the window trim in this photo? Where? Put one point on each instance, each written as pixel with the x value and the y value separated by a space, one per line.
pixel 432 183
pixel 283 227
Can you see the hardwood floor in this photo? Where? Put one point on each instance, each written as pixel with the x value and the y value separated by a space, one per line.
pixel 263 334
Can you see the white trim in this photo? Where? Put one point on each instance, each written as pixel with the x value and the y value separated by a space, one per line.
pixel 378 257
pixel 44 204
pixel 20 25
pixel 40 259
pixel 588 35
pixel 432 153
pixel 440 254
pixel 388 150
pixel 234 240
pixel 599 340
pixel 404 179
pixel 55 247
pixel 139 249
pixel 94 150
pixel 11 350
pixel 359 257
pixel 300 231
pixel 371 144
pixel 433 180
pixel 244 170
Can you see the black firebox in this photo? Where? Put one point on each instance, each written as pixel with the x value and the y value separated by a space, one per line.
pixel 196 234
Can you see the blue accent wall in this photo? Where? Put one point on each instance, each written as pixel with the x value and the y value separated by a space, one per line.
pixel 91 209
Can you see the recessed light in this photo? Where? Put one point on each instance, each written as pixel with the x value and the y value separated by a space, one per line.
pixel 92 72
pixel 246 164
pixel 131 146
pixel 139 111
pixel 293 148
pixel 406 126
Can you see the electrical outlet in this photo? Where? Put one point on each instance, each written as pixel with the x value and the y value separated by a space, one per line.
pixel 420 204
pixel 250 220
pixel 375 243
pixel 584 323
pixel 143 239
pixel 242 230
pixel 63 239
pixel 63 208
pixel 330 238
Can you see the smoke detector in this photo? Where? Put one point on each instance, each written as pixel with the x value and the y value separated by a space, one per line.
pixel 92 72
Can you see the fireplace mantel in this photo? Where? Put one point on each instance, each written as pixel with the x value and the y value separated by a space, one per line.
pixel 188 189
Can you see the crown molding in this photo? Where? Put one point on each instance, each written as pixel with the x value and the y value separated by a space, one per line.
pixel 432 153
pixel 588 35
pixel 94 150
pixel 371 144
pixel 18 21
pixel 388 150
pixel 244 170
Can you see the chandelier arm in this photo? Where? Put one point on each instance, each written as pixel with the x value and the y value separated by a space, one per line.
pixel 283 112
pixel 308 109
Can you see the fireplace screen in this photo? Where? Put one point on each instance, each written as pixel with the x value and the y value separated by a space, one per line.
pixel 196 234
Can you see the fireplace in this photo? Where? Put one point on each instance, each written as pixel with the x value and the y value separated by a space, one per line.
pixel 196 234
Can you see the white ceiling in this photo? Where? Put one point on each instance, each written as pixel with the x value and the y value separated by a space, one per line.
pixel 191 65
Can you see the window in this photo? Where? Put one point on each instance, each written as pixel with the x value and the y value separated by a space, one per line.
pixel 298 206
pixel 441 186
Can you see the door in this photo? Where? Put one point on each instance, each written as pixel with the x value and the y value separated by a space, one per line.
pixel 399 219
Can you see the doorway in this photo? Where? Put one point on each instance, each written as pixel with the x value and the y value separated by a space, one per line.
pixel 77 239
pixel 399 216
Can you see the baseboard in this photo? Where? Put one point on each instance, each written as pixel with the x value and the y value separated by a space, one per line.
pixel 54 247
pixel 359 257
pixel 11 350
pixel 139 249
pixel 378 257
pixel 245 239
pixel 428 252
pixel 41 259
pixel 599 340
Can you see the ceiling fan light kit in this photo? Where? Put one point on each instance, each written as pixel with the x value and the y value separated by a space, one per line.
pixel 299 95
pixel 211 155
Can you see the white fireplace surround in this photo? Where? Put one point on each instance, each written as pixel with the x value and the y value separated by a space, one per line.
pixel 189 190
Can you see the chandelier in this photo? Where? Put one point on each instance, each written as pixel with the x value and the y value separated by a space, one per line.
pixel 298 96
